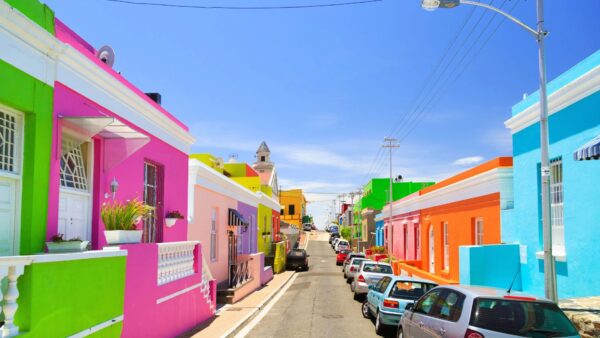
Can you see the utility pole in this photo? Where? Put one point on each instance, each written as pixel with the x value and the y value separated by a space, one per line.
pixel 359 193
pixel 391 143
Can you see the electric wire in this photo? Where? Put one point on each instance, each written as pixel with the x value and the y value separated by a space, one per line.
pixel 163 4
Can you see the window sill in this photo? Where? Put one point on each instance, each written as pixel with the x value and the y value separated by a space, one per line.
pixel 557 257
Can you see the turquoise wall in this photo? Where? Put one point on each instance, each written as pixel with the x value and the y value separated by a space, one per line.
pixel 475 267
pixel 569 129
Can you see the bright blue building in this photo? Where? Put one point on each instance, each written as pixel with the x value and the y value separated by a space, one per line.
pixel 379 230
pixel 574 127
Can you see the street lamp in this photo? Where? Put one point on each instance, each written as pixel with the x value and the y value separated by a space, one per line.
pixel 539 34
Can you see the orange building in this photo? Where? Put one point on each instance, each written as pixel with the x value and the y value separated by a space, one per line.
pixel 429 226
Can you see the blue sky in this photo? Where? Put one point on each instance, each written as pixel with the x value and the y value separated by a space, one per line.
pixel 324 86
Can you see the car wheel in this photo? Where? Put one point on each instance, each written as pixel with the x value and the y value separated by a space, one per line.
pixel 379 327
pixel 356 296
pixel 399 332
pixel 365 309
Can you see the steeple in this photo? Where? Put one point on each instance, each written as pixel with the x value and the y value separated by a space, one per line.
pixel 263 159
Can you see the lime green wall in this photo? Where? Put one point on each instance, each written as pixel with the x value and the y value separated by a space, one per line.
pixel 265 224
pixel 267 190
pixel 279 261
pixel 59 299
pixel 236 169
pixel 36 12
pixel 252 183
pixel 33 98
pixel 207 159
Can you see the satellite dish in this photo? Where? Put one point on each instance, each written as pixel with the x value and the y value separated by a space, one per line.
pixel 107 55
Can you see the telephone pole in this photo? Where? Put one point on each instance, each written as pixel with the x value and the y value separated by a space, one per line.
pixel 391 143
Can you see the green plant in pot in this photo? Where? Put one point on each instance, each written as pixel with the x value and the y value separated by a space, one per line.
pixel 61 245
pixel 120 221
pixel 172 217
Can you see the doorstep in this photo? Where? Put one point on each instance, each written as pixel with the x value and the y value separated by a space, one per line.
pixel 584 313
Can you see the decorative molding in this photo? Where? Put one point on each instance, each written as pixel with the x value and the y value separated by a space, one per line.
pixel 98 327
pixel 178 293
pixel 580 88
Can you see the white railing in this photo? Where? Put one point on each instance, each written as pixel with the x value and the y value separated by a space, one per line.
pixel 11 268
pixel 175 261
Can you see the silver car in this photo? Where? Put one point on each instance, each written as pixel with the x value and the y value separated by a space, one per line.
pixel 477 312
pixel 352 268
pixel 369 273
pixel 350 256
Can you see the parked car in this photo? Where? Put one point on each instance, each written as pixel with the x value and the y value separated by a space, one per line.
pixel 352 268
pixel 334 229
pixel 297 259
pixel 352 255
pixel 387 299
pixel 369 273
pixel 477 312
pixel 341 257
pixel 333 236
pixel 342 244
pixel 307 227
pixel 335 240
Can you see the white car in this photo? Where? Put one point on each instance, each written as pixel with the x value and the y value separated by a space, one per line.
pixel 478 312
pixel 369 273
pixel 352 267
pixel 334 242
pixel 342 244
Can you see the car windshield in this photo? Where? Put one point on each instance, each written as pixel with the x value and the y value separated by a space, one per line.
pixel 377 268
pixel 410 290
pixel 343 243
pixel 521 318
pixel 357 261
pixel 298 253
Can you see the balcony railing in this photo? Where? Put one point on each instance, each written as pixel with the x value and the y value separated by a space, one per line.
pixel 175 261
pixel 11 268
pixel 240 272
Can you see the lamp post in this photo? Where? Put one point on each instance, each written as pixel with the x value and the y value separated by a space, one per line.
pixel 539 34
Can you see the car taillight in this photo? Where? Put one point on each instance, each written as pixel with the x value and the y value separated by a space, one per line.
pixel 473 334
pixel 391 304
pixel 520 298
pixel 361 278
pixel 351 268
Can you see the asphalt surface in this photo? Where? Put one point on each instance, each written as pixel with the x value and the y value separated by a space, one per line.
pixel 318 303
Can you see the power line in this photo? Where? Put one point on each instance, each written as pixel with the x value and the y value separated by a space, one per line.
pixel 162 4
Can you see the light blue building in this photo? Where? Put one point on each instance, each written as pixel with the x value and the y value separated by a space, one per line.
pixel 379 235
pixel 574 130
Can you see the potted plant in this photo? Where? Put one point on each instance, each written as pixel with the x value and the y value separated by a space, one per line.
pixel 120 221
pixel 172 217
pixel 59 244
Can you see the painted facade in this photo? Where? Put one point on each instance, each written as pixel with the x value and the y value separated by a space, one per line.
pixel 574 120
pixel 429 226
pixel 293 206
pixel 379 232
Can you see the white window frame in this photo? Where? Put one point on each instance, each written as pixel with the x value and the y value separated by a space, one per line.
pixel 446 246
pixel 478 231
pixel 17 173
pixel 557 207
pixel 214 231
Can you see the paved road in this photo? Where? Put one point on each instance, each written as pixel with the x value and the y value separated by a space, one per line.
pixel 318 303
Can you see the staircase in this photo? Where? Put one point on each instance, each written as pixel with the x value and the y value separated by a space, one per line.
pixel 205 286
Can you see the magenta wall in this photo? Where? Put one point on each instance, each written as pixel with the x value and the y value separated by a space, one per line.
pixel 129 173
pixel 143 317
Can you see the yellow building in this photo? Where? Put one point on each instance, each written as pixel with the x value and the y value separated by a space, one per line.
pixel 293 206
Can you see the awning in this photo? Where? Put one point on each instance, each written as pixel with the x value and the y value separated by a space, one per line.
pixel 236 219
pixel 120 140
pixel 589 151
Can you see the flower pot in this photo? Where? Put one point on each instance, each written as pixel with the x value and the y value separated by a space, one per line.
pixel 123 236
pixel 170 221
pixel 67 246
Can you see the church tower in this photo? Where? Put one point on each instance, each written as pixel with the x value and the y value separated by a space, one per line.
pixel 263 162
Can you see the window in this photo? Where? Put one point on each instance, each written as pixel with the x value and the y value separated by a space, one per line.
pixel 262 158
pixel 478 231
pixel 385 281
pixel 73 173
pixel 409 289
pixel 213 234
pixel 425 305
pixel 556 207
pixel 449 305
pixel 10 141
pixel 282 211
pixel 291 209
pixel 446 248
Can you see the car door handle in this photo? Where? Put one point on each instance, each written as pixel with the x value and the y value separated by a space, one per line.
pixel 421 324
pixel 442 332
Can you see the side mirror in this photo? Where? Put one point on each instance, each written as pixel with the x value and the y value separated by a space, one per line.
pixel 409 307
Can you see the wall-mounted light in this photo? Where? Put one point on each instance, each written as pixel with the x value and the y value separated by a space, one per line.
pixel 114 185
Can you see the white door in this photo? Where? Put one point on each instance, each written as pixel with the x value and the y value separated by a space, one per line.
pixel 74 216
pixel 431 250
pixel 8 200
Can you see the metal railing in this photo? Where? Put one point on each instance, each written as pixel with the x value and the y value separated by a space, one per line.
pixel 240 272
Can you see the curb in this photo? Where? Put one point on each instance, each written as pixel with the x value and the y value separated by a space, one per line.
pixel 237 327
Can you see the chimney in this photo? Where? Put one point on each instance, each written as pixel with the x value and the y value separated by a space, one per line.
pixel 155 97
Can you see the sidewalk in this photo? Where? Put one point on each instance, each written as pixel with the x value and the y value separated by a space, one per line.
pixel 230 318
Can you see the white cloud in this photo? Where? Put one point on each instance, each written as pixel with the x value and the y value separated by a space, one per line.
pixel 318 156
pixel 467 161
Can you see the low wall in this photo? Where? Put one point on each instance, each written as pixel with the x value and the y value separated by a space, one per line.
pixel 256 265
pixel 169 305
pixel 61 295
pixel 403 269
pixel 490 265
pixel 280 257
